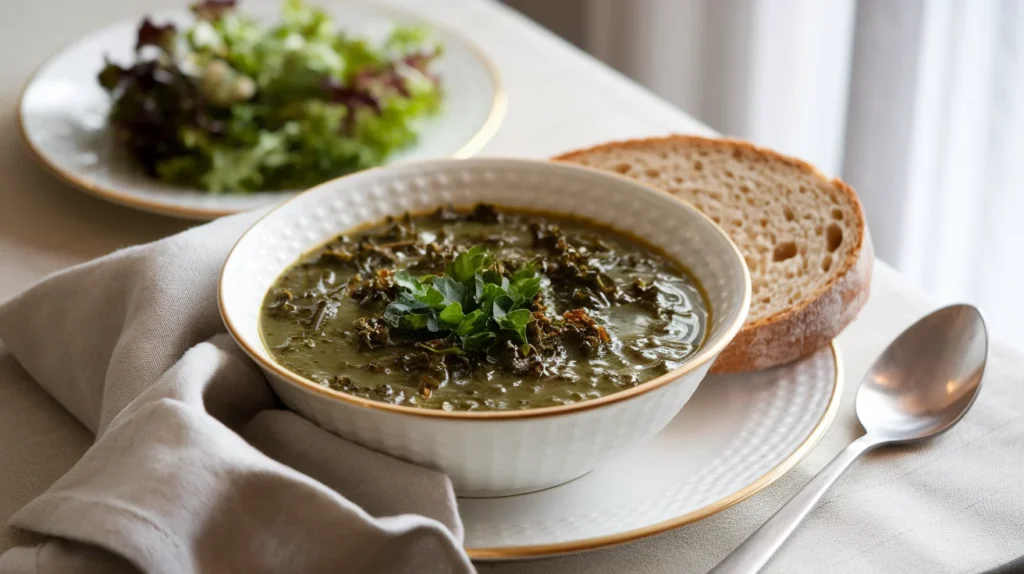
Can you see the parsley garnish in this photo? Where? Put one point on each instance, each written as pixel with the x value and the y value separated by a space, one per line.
pixel 471 301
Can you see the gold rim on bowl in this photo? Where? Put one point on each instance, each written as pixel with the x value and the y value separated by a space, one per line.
pixel 705 354
pixel 794 458
pixel 476 142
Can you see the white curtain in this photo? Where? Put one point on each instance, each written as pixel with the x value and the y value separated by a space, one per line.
pixel 919 104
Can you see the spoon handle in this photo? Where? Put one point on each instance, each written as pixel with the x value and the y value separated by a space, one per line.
pixel 755 551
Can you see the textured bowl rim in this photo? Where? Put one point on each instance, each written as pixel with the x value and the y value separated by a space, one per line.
pixel 705 354
pixel 116 195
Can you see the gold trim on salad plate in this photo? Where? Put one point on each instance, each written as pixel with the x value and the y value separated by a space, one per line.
pixel 544 550
pixel 703 355
pixel 473 145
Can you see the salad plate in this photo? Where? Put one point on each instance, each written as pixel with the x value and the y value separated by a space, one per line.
pixel 63 111
pixel 736 435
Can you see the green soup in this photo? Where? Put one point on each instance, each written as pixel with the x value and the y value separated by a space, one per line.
pixel 484 309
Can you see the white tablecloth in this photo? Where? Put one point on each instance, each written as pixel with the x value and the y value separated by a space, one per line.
pixel 559 99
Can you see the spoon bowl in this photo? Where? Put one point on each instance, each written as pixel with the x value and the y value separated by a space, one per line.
pixel 927 378
pixel 921 385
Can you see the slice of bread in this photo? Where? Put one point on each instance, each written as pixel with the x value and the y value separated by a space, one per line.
pixel 802 235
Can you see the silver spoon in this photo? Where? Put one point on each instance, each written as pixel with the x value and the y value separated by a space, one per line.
pixel 921 386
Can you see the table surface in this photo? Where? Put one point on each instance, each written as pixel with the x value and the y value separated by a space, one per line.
pixel 559 99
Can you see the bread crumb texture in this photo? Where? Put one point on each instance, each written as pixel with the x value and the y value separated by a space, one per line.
pixel 801 234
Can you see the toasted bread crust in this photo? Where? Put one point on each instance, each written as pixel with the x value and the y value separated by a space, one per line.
pixel 811 324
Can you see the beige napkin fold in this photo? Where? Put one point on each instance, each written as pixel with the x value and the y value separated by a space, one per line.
pixel 196 467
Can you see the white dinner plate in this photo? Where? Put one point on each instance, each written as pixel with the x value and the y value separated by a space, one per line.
pixel 737 435
pixel 62 112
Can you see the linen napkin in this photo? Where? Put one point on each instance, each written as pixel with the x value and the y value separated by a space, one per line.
pixel 196 466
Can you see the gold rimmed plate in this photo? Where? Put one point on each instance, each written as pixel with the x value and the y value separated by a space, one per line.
pixel 62 111
pixel 736 435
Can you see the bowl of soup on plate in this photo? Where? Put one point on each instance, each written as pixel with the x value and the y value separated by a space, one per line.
pixel 511 323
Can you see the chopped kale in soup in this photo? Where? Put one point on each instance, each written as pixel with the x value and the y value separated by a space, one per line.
pixel 485 309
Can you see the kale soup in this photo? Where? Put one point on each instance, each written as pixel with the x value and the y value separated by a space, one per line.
pixel 483 309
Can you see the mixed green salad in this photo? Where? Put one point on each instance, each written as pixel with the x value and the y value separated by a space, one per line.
pixel 232 105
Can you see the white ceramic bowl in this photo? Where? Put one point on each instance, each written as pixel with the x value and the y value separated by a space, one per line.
pixel 505 452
